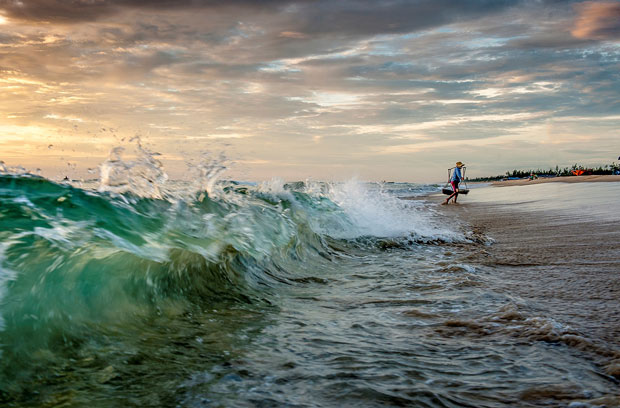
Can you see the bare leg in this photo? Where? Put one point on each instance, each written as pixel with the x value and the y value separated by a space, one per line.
pixel 451 195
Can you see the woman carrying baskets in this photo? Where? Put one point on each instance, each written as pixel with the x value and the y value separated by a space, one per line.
pixel 454 181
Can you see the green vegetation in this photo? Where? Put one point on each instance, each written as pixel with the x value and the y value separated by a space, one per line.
pixel 557 172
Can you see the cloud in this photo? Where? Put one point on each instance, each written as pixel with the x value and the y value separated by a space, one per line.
pixel 597 21
pixel 61 11
pixel 293 34
pixel 58 117
pixel 314 81
pixel 307 16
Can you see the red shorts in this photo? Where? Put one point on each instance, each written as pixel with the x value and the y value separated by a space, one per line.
pixel 455 185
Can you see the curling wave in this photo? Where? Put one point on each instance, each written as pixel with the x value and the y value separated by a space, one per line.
pixel 77 262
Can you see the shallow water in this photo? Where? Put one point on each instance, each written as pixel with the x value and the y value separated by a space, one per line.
pixel 308 295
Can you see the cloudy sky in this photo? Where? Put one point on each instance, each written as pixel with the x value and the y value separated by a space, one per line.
pixel 323 89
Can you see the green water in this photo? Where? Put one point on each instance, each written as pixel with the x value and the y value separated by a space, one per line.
pixel 298 295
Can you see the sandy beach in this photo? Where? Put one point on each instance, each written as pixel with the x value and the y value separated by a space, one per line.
pixel 558 253
pixel 569 179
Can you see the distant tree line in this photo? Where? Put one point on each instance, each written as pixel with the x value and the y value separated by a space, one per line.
pixel 557 172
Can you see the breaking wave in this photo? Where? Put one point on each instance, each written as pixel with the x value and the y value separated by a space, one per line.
pixel 77 262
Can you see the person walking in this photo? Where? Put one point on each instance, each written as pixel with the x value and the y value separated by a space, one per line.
pixel 454 181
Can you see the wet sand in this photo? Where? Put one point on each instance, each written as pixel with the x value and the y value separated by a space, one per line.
pixel 568 179
pixel 563 262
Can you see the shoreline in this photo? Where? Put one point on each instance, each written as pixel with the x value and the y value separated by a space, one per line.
pixel 562 179
pixel 562 264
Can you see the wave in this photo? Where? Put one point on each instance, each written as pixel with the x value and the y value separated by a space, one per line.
pixel 76 261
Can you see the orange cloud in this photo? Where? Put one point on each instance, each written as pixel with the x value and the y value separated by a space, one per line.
pixel 293 34
pixel 597 21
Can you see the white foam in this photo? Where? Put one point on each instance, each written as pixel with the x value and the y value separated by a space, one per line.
pixel 275 188
pixel 374 212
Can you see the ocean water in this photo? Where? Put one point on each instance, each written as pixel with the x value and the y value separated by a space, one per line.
pixel 140 291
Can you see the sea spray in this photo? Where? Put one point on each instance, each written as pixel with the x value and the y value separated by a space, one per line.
pixel 354 209
pixel 144 176
pixel 375 212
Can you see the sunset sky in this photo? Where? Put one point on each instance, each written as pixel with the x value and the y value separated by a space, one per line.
pixel 324 89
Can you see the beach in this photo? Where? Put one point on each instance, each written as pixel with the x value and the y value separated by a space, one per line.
pixel 565 179
pixel 556 248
